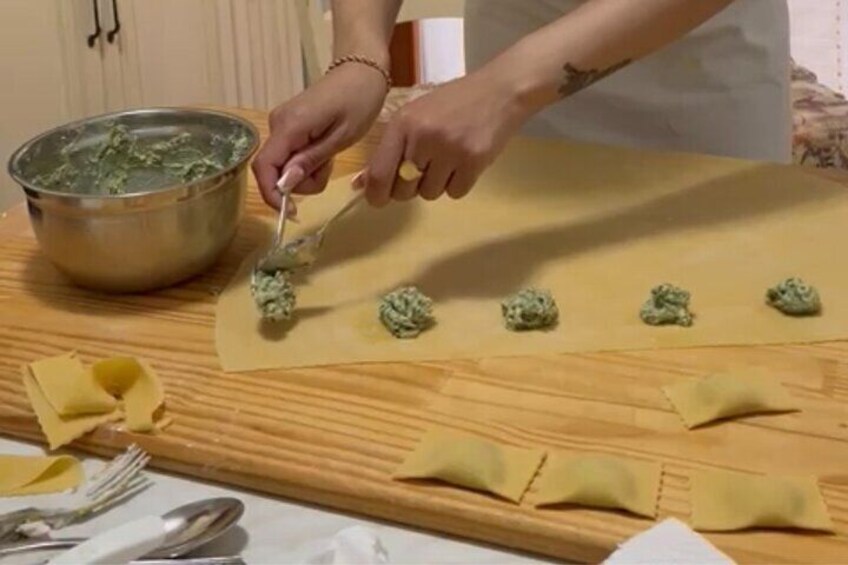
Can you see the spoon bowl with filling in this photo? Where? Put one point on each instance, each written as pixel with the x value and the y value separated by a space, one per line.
pixel 136 200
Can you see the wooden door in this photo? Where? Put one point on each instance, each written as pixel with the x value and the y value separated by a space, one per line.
pixel 404 54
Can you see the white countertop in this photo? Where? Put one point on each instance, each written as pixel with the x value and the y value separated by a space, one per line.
pixel 272 530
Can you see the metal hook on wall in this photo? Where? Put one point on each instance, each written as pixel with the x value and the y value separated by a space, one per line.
pixel 110 37
pixel 92 39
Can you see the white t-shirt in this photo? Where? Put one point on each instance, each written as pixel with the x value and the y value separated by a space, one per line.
pixel 723 89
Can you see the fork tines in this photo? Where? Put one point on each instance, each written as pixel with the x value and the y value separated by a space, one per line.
pixel 116 473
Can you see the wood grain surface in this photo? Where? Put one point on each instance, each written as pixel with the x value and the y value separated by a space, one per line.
pixel 333 435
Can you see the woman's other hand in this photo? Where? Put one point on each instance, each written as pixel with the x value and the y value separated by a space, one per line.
pixel 451 134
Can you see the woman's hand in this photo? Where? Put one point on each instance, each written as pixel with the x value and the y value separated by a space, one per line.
pixel 451 134
pixel 308 130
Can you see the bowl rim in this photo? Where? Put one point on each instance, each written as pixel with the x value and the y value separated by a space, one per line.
pixel 164 190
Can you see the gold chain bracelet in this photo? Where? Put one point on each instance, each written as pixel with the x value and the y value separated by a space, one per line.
pixel 362 61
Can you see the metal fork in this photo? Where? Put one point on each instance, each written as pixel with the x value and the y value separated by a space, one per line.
pixel 118 480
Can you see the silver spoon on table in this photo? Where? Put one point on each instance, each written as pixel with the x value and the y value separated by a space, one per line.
pixel 187 528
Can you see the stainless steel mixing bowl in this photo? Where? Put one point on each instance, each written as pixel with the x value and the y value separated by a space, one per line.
pixel 139 240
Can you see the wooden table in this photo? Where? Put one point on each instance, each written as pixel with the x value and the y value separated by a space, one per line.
pixel 332 435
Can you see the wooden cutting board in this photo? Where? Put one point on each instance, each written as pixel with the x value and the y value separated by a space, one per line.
pixel 333 435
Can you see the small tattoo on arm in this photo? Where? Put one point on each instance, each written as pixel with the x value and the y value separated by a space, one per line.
pixel 576 79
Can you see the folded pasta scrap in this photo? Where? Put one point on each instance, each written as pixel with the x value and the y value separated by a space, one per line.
pixel 70 399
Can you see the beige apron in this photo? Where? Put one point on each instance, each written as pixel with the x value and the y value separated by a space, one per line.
pixel 723 89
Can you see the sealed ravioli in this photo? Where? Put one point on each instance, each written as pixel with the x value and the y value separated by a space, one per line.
pixel 723 501
pixel 739 392
pixel 599 481
pixel 473 463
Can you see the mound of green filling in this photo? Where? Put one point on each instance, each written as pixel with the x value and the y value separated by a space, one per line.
pixel 274 295
pixel 122 161
pixel 794 297
pixel 406 312
pixel 668 304
pixel 529 309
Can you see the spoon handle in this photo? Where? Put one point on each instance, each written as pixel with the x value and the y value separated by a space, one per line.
pixel 281 221
pixel 344 209
pixel 35 545
pixel 66 543
pixel 192 561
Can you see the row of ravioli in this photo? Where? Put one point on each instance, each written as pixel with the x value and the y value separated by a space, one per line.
pixel 720 500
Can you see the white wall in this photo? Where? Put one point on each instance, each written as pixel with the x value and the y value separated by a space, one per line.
pixel 442 53
pixel 819 39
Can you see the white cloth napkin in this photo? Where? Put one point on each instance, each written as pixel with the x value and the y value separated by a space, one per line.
pixel 356 545
pixel 671 542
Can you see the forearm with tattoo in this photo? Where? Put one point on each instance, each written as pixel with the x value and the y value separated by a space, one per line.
pixel 591 42
pixel 574 80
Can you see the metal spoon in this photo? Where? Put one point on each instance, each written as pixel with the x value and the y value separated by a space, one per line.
pixel 268 261
pixel 188 527
pixel 303 251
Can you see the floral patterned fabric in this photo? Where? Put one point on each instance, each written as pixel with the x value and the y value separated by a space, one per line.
pixel 820 122
pixel 820 119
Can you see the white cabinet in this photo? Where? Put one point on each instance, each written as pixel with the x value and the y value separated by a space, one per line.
pixel 243 53
pixel 82 55
pixel 32 96
pixel 234 52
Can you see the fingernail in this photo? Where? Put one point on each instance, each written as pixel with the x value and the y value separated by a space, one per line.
pixel 358 180
pixel 291 210
pixel 290 179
